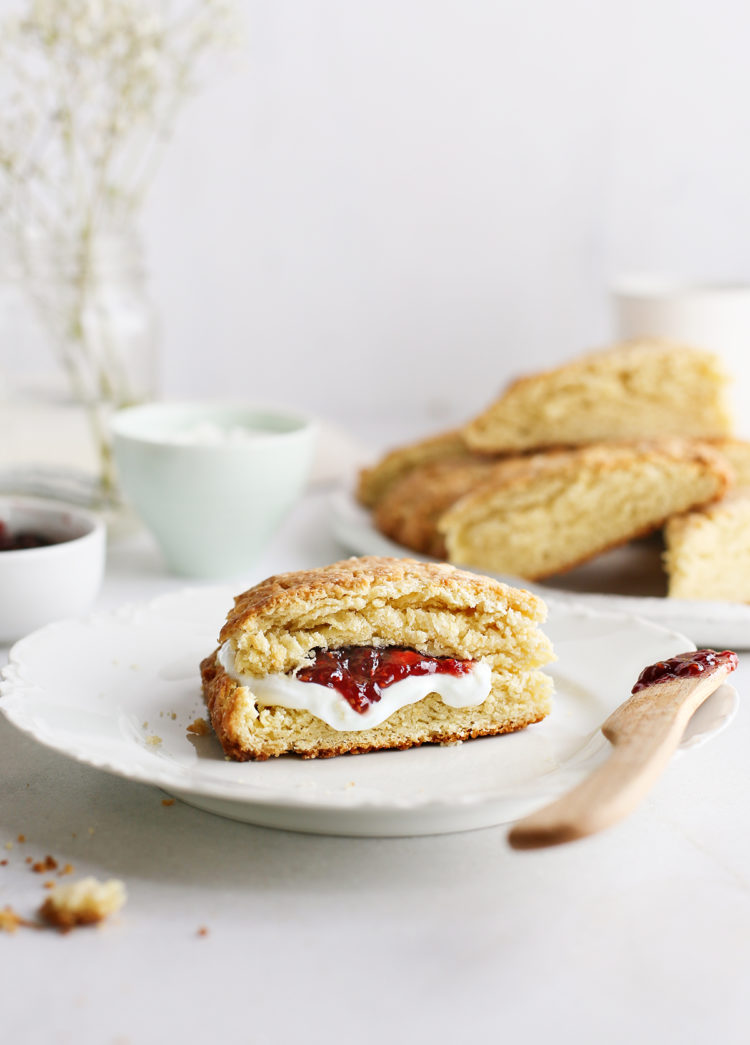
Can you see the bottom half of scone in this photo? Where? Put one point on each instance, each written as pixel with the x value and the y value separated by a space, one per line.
pixel 251 731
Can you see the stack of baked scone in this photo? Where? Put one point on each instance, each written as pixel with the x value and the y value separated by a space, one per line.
pixel 571 462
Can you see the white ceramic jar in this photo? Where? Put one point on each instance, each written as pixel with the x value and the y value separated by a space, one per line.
pixel 712 316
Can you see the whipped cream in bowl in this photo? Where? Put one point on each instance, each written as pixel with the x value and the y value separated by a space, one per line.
pixel 212 481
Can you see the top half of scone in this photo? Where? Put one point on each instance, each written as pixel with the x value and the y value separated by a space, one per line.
pixel 641 389
pixel 433 608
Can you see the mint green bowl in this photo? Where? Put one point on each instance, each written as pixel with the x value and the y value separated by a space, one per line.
pixel 211 482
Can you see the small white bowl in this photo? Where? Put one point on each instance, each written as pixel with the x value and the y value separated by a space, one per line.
pixel 212 481
pixel 39 585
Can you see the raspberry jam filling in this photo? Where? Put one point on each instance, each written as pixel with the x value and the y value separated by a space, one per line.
pixel 361 673
pixel 685 665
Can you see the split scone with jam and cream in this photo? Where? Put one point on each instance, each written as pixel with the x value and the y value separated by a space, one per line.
pixel 543 514
pixel 707 552
pixel 375 653
pixel 640 389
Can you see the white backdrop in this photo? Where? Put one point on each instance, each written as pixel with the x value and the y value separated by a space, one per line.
pixel 384 208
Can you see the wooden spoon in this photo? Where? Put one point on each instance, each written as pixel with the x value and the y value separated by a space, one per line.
pixel 644 732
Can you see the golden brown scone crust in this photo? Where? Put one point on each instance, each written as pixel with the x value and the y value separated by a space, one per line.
pixel 376 601
pixel 374 482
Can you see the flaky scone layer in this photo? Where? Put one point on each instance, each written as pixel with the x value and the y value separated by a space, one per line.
pixel 648 388
pixel 372 601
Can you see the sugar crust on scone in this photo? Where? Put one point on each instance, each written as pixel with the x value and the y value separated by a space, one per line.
pixel 376 480
pixel 375 601
pixel 643 388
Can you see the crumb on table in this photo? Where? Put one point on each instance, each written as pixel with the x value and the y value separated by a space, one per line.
pixel 9 920
pixel 84 902
pixel 47 864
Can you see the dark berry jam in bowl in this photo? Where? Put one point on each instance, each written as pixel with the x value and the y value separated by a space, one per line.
pixel 20 540
pixel 685 665
pixel 51 563
pixel 361 673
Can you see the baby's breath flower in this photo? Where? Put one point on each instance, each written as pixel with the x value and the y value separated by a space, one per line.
pixel 89 94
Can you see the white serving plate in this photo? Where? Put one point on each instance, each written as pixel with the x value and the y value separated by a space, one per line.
pixel 627 580
pixel 96 690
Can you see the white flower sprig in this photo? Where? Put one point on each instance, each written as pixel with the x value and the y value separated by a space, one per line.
pixel 90 91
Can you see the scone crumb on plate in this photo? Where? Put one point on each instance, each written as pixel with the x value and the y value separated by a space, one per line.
pixel 199 727
pixel 202 931
pixel 167 801
pixel 153 741
pixel 21 839
pixel 85 902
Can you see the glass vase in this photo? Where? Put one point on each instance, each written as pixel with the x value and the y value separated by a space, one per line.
pixel 79 341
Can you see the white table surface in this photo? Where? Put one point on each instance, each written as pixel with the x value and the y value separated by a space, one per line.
pixel 640 934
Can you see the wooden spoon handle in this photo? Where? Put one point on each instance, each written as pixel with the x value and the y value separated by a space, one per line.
pixel 604 797
pixel 645 732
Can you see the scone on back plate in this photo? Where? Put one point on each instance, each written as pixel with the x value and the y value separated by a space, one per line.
pixel 737 453
pixel 707 552
pixel 640 389
pixel 375 653
pixel 540 515
pixel 374 482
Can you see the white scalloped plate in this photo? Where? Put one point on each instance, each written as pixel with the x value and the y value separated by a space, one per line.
pixel 627 580
pixel 100 690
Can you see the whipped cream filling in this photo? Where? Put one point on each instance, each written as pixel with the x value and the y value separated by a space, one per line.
pixel 333 708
